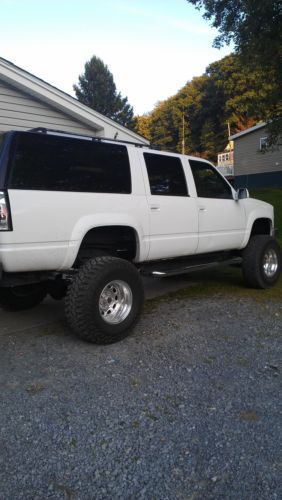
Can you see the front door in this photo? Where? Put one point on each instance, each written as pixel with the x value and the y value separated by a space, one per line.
pixel 222 220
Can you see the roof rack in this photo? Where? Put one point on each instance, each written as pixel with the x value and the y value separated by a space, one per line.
pixel 51 131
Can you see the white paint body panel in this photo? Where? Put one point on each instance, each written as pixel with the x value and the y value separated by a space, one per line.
pixel 255 209
pixel 48 226
pixel 222 224
pixel 173 221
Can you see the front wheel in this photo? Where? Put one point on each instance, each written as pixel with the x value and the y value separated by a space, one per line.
pixel 261 262
pixel 105 300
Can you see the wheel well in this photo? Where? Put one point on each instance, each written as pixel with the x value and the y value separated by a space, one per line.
pixel 261 226
pixel 117 241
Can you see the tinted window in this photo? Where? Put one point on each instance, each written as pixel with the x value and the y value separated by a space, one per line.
pixel 166 176
pixel 53 163
pixel 209 183
pixel 1 141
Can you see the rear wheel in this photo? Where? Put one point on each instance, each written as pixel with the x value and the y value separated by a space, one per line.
pixel 105 300
pixel 261 262
pixel 18 298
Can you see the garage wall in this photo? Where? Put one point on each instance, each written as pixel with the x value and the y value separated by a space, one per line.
pixel 19 111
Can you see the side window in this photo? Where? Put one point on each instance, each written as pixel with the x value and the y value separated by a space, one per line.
pixel 209 183
pixel 53 163
pixel 166 176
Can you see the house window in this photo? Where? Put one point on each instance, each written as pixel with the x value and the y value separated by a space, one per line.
pixel 263 143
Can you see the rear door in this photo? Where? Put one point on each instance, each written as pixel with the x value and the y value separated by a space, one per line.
pixel 173 213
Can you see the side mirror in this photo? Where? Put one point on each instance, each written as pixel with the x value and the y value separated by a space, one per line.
pixel 241 193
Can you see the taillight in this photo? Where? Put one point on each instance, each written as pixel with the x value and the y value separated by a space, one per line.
pixel 5 219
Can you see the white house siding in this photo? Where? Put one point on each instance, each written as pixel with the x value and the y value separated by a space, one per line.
pixel 19 111
pixel 249 160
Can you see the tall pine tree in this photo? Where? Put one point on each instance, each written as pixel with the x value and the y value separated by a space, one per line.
pixel 96 88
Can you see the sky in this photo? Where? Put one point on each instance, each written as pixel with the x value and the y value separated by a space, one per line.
pixel 152 47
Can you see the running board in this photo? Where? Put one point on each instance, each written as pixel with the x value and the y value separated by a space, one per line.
pixel 168 268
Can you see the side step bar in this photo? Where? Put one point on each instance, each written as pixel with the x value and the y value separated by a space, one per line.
pixel 168 268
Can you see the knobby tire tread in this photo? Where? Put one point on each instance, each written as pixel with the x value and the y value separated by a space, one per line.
pixel 78 316
pixel 252 255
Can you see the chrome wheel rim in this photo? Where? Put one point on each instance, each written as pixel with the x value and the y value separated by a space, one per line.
pixel 115 302
pixel 270 263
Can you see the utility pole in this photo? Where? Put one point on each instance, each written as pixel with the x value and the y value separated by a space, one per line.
pixel 183 132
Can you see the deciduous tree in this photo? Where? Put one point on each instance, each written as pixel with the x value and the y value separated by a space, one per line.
pixel 255 28
pixel 227 93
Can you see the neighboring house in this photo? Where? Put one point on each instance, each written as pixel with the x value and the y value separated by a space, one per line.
pixel 28 102
pixel 225 161
pixel 253 167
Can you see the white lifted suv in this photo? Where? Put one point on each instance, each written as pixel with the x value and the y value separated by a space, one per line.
pixel 85 217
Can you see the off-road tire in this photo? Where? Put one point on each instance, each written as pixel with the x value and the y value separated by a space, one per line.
pixel 255 260
pixel 19 298
pixel 83 299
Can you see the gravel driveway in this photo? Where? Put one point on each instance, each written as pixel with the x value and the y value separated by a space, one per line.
pixel 188 407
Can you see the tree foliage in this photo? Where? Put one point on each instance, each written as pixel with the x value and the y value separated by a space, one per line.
pixel 96 88
pixel 142 125
pixel 228 92
pixel 255 28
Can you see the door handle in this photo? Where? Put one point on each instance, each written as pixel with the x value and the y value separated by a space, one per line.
pixel 202 209
pixel 155 207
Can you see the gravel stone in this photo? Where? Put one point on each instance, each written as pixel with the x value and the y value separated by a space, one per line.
pixel 188 407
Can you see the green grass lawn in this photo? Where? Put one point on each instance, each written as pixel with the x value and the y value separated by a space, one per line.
pixel 274 197
pixel 228 280
pixel 221 282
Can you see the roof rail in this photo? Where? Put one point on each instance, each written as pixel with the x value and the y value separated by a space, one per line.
pixel 51 131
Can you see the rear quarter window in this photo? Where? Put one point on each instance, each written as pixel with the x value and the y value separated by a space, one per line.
pixel 53 163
